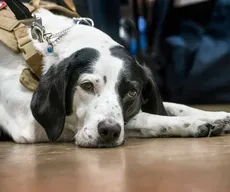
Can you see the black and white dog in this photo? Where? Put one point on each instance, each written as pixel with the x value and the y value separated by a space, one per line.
pixel 92 91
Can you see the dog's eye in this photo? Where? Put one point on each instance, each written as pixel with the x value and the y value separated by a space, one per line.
pixel 132 93
pixel 87 86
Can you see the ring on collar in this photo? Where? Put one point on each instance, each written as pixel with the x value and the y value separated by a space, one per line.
pixel 84 21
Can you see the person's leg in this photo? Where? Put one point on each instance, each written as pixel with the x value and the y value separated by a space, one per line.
pixel 82 7
pixel 106 15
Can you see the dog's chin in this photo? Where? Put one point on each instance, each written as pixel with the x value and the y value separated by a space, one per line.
pixel 86 140
pixel 99 144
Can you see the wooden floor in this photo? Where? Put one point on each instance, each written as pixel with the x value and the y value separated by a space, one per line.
pixel 191 165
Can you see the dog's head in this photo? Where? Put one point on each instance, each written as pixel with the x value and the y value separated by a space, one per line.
pixel 99 89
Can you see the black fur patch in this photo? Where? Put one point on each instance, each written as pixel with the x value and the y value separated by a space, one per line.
pixel 105 79
pixel 163 130
pixel 186 125
pixel 134 76
pixel 130 78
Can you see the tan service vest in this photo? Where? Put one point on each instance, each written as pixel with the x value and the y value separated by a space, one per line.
pixel 14 35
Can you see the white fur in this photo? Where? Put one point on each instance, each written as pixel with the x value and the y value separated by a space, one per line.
pixel 18 121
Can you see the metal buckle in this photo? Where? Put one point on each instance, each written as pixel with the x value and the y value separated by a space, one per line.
pixel 37 30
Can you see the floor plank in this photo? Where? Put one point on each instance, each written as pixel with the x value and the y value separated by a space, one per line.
pixel 159 165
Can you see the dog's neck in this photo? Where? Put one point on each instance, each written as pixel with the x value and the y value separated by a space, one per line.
pixel 78 37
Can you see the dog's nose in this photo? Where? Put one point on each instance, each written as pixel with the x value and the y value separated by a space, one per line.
pixel 109 130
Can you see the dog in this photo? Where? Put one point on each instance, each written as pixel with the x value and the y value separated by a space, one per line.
pixel 94 92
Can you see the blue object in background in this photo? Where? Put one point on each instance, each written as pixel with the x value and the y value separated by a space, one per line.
pixel 142 25
pixel 133 46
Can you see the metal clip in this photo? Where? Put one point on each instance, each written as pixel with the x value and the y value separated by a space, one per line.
pixel 38 30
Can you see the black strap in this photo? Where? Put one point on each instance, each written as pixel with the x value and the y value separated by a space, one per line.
pixel 19 9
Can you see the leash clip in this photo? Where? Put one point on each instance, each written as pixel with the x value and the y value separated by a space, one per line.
pixel 37 30
pixel 39 33
pixel 84 21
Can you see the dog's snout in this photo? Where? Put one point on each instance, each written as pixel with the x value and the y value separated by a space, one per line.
pixel 109 130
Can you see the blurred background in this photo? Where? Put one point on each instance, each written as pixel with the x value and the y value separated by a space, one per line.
pixel 186 43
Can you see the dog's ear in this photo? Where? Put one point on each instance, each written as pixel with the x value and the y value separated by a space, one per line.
pixel 48 101
pixel 152 102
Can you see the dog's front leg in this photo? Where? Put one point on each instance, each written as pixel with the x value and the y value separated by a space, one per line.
pixel 148 125
pixel 220 117
pixel 174 109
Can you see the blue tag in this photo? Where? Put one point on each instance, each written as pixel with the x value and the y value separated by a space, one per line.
pixel 50 49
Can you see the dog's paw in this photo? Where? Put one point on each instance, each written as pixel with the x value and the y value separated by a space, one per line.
pixel 226 122
pixel 216 128
pixel 203 130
